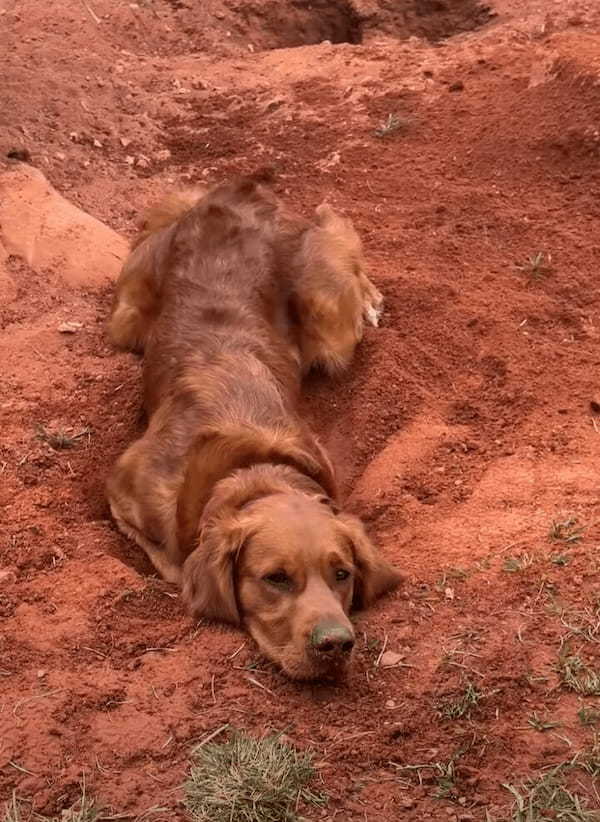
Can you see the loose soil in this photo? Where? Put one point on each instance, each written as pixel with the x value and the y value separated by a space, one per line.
pixel 462 431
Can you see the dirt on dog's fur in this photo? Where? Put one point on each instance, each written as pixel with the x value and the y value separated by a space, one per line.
pixel 228 491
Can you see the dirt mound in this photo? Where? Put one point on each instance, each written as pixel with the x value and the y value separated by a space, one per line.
pixel 463 433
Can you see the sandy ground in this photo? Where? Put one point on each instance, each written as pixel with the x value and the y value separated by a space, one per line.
pixel 463 431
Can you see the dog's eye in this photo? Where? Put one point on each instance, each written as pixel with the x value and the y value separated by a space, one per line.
pixel 341 574
pixel 279 579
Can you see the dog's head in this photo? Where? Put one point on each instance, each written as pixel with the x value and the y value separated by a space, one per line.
pixel 289 567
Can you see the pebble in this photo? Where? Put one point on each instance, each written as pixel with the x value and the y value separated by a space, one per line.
pixel 390 658
pixel 70 327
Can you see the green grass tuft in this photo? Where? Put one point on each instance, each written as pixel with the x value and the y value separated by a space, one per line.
pixel 61 440
pixel 538 723
pixel 577 676
pixel 548 798
pixel 84 809
pixel 391 124
pixel 537 266
pixel 588 716
pixel 462 705
pixel 248 780
pixel 567 530
pixel 515 564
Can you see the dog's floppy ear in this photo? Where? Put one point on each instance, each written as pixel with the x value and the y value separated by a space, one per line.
pixel 375 576
pixel 209 571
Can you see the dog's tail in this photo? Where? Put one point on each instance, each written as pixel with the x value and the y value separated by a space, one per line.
pixel 167 211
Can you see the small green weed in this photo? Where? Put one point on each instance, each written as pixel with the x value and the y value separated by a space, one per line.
pixel 462 705
pixel 577 676
pixel 445 777
pixel 391 124
pixel 584 624
pixel 83 810
pixel 540 724
pixel 567 530
pixel 547 798
pixel 588 716
pixel 589 760
pixel 515 564
pixel 61 440
pixel 537 266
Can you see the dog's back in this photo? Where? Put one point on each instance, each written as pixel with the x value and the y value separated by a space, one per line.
pixel 221 372
pixel 225 298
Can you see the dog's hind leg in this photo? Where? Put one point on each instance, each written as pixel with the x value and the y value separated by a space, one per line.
pixel 333 296
pixel 137 296
pixel 372 300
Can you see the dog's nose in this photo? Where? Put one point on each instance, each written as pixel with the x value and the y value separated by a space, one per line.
pixel 331 639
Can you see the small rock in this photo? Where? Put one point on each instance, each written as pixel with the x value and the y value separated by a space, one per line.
pixel 125 141
pixel 390 704
pixel 129 160
pixel 449 593
pixel 74 136
pixel 96 143
pixel 390 658
pixel 273 105
pixel 7 575
pixel 407 803
pixel 60 156
pixel 163 155
pixel 42 673
pixel 143 161
pixel 457 86
pixel 70 327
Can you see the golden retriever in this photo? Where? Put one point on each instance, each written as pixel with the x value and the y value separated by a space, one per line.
pixel 232 298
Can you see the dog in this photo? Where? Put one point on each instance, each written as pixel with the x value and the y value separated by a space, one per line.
pixel 232 299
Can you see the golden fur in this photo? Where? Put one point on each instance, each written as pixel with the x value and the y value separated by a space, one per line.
pixel 231 299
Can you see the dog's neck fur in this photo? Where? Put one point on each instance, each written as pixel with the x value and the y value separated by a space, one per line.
pixel 246 485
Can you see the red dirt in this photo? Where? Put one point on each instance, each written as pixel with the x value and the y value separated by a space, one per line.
pixel 461 432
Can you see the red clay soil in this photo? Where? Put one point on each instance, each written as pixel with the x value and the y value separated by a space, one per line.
pixel 462 432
